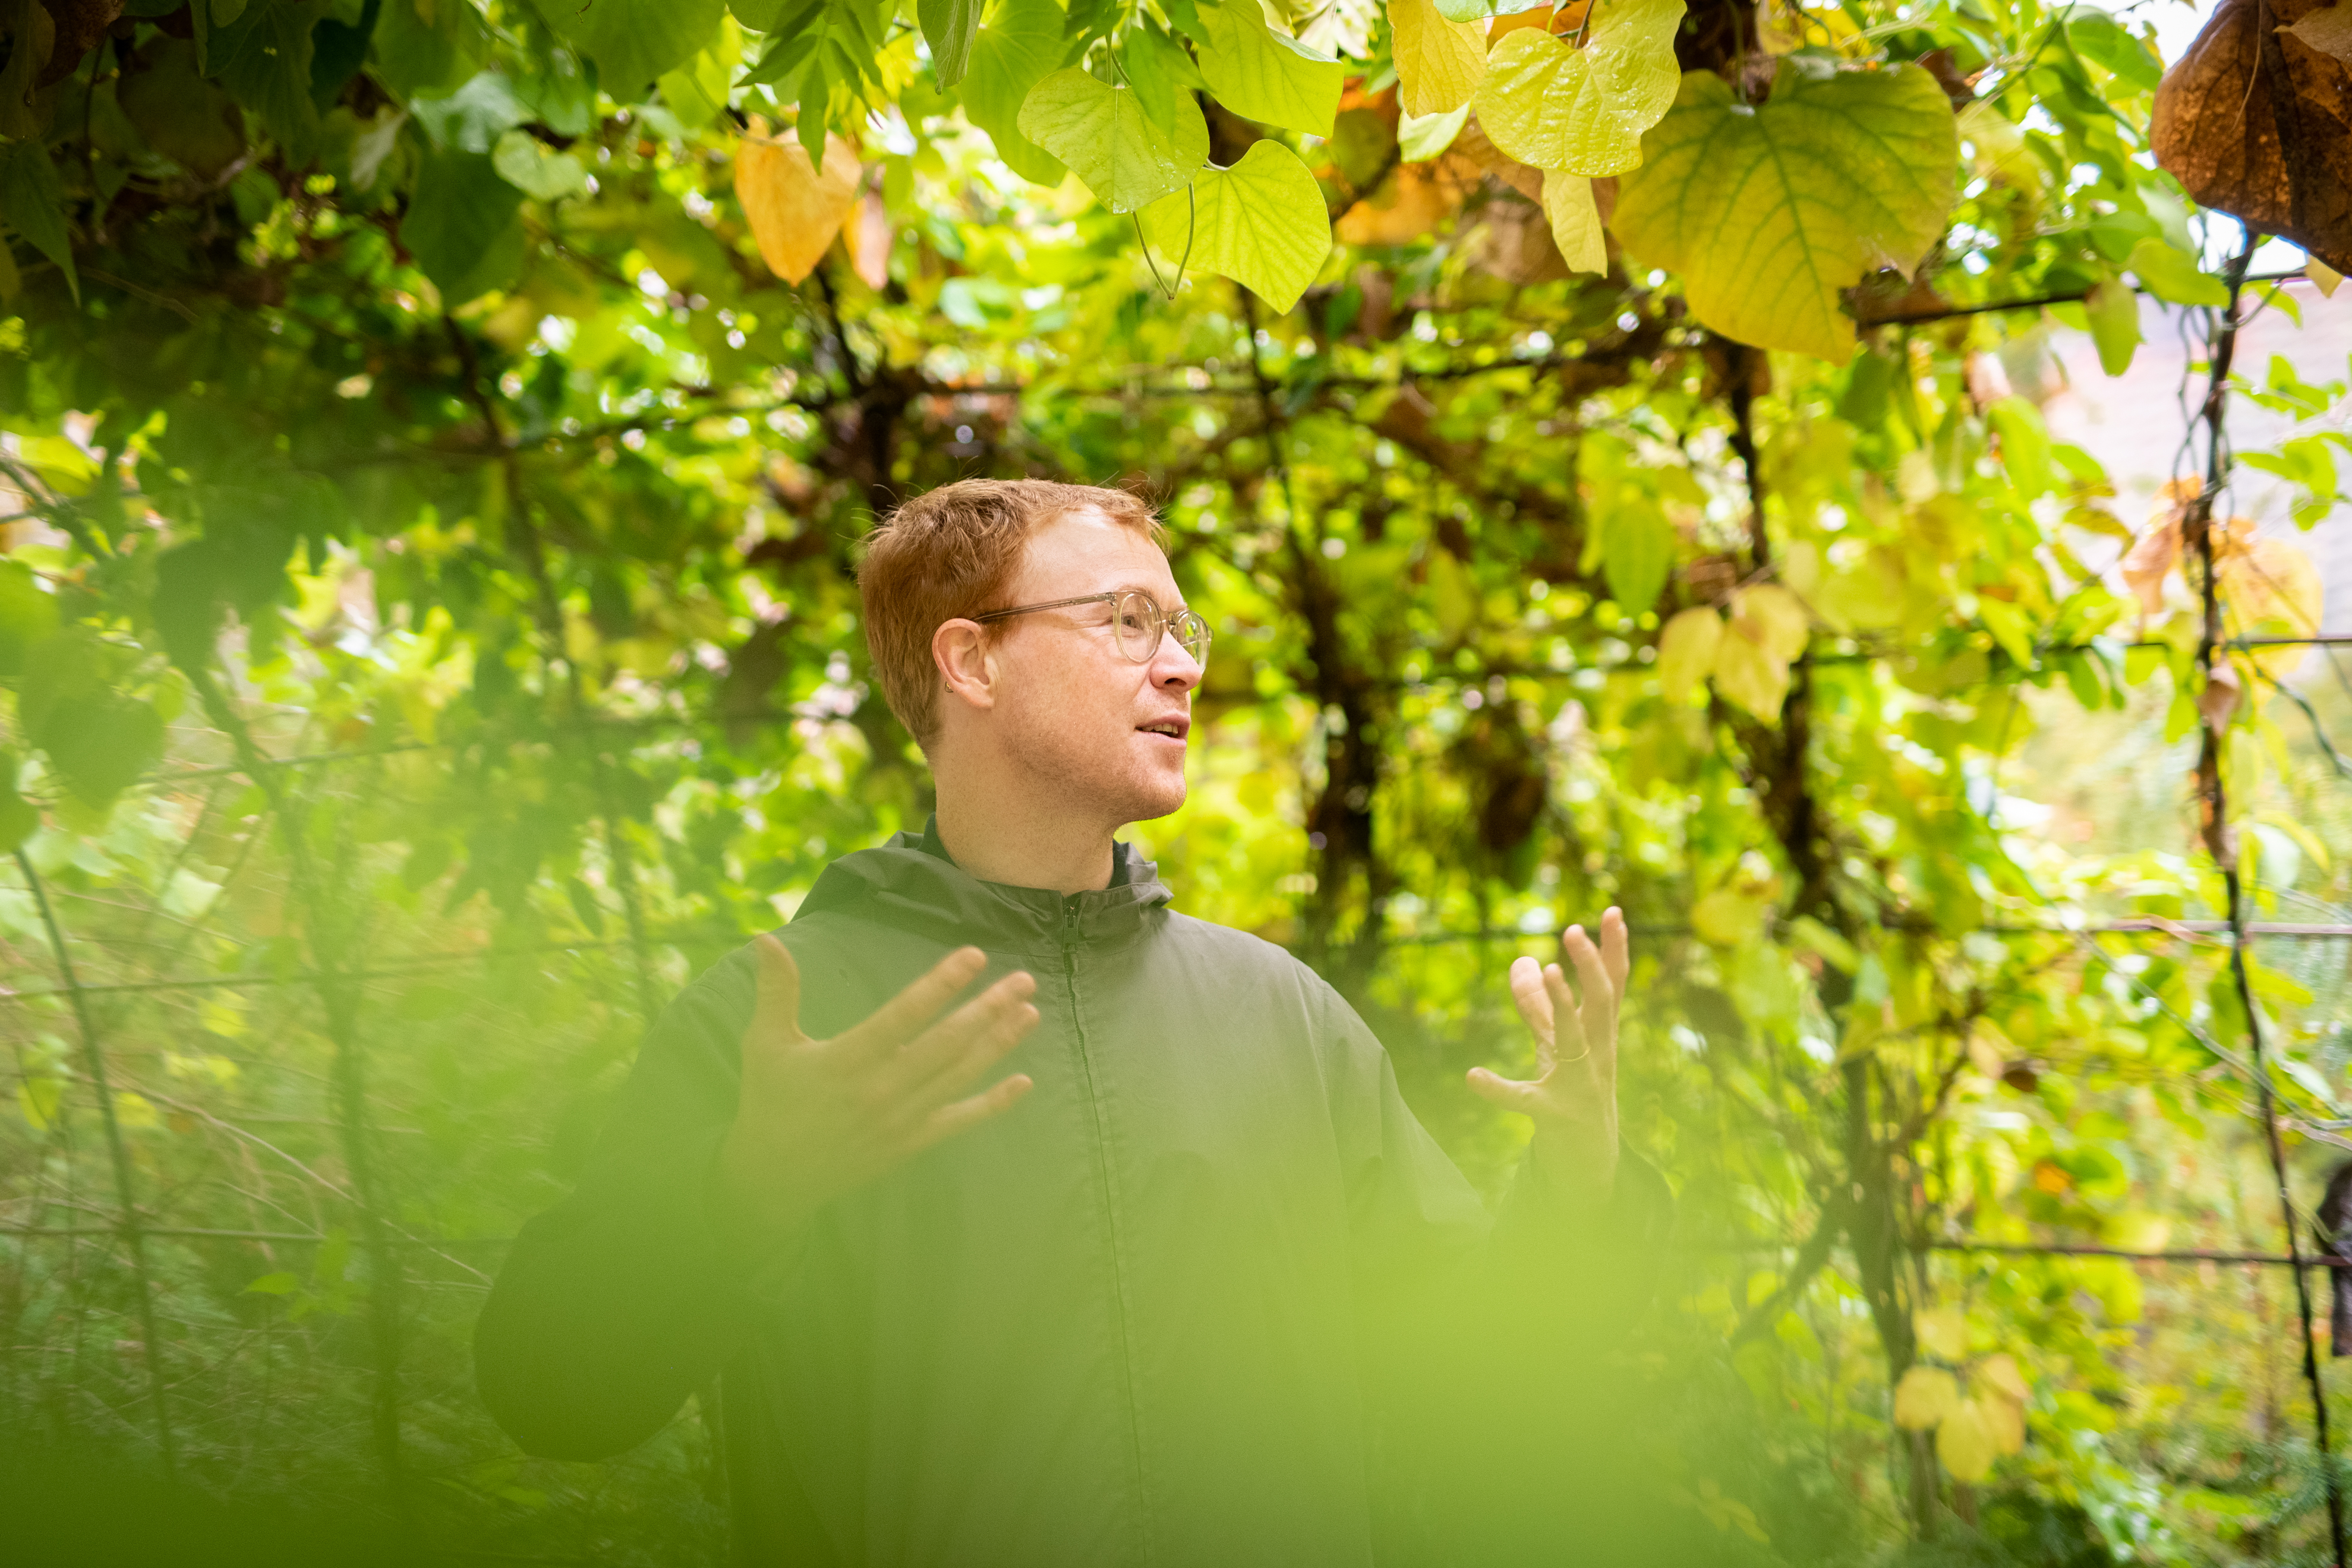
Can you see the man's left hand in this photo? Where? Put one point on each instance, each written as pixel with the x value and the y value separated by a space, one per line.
pixel 1573 1096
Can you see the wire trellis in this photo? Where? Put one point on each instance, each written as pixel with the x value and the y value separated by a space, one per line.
pixel 338 984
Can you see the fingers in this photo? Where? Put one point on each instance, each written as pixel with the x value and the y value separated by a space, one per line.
pixel 959 1047
pixel 1598 1020
pixel 1534 1001
pixel 776 997
pixel 965 1115
pixel 1616 951
pixel 1510 1094
pixel 905 1015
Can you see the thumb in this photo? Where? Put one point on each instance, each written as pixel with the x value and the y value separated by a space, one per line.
pixel 776 1004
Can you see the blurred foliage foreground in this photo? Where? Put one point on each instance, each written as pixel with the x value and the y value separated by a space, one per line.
pixel 437 437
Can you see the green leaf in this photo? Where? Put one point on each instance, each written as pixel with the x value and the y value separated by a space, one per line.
pixel 1159 69
pixel 1768 213
pixel 634 41
pixel 2113 48
pixel 1637 551
pixel 183 116
pixel 948 27
pixel 1261 223
pixel 697 92
pixel 537 171
pixel 29 615
pixel 97 741
pixel 462 226
pixel 414 55
pixel 1424 137
pixel 1439 63
pixel 2024 446
pixel 1012 55
pixel 2172 275
pixel 278 1284
pixel 1583 110
pixel 1465 10
pixel 264 61
pixel 473 118
pixel 1265 76
pixel 1103 135
pixel 33 203
pixel 2114 312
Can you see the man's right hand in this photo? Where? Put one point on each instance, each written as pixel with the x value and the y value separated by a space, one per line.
pixel 819 1118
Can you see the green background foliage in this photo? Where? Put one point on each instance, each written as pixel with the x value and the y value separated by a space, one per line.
pixel 428 635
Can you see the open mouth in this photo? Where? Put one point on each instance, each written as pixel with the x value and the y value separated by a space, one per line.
pixel 1174 729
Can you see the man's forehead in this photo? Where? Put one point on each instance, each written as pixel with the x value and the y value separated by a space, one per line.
pixel 1088 552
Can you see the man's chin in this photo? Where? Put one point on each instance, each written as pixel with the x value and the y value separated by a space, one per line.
pixel 1157 800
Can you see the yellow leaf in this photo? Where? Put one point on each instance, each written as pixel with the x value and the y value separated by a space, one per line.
pixel 1439 63
pixel 1727 916
pixel 1747 674
pixel 1967 1442
pixel 1771 212
pixel 2269 588
pixel 2000 1372
pixel 2323 277
pixel 2006 1422
pixel 38 1098
pixel 1584 111
pixel 1687 651
pixel 1943 1332
pixel 1778 616
pixel 133 1109
pixel 793 207
pixel 1575 221
pixel 1924 1397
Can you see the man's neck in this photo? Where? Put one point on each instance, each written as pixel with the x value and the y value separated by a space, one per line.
pixel 1020 850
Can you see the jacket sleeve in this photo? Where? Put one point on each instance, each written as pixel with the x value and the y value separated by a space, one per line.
pixel 619 1302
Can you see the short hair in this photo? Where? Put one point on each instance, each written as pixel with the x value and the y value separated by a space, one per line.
pixel 951 552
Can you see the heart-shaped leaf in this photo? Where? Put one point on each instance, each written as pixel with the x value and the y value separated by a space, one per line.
pixel 1109 142
pixel 1768 213
pixel 1265 76
pixel 1261 223
pixel 1583 110
pixel 1010 55
pixel 1439 63
pixel 794 208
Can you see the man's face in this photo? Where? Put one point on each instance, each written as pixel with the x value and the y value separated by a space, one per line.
pixel 1084 721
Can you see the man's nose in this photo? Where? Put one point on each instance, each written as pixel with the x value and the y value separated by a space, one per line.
pixel 1174 665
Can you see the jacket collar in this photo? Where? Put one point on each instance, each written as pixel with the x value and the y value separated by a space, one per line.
pixel 910 884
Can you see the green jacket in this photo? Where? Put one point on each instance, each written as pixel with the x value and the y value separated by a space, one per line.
pixel 1172 1309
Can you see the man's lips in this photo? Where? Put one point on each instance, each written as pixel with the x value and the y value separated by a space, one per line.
pixel 1176 726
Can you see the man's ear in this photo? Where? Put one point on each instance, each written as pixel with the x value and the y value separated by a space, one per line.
pixel 960 648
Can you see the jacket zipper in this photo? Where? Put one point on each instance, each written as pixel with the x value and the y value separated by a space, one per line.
pixel 1110 1219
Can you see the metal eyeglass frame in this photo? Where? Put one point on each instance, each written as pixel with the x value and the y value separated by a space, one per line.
pixel 1192 631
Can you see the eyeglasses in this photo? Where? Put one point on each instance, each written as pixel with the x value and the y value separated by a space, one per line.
pixel 1136 623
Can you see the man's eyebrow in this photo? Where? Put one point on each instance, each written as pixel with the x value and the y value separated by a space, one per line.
pixel 1145 588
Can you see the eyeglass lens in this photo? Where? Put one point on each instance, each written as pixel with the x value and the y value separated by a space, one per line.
pixel 1140 624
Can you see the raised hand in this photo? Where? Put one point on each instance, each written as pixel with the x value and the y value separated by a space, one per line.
pixel 1573 1096
pixel 819 1118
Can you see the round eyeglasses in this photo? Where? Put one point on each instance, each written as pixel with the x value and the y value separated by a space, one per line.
pixel 1137 623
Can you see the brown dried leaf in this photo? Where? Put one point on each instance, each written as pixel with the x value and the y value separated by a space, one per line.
pixel 2328 30
pixel 793 207
pixel 2218 130
pixel 2147 564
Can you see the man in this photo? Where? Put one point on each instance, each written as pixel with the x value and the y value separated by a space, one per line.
pixel 1169 1290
